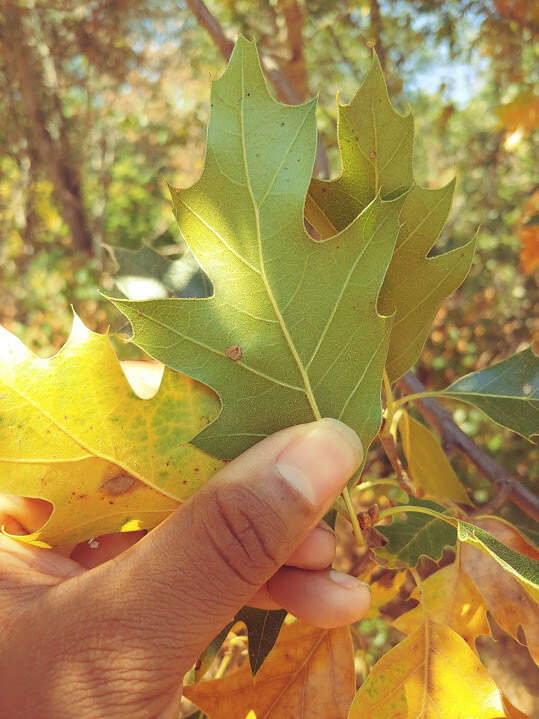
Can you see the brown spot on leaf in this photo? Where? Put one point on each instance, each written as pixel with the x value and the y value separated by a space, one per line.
pixel 119 485
pixel 234 353
pixel 372 154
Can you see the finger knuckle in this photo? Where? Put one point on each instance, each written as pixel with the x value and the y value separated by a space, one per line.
pixel 246 532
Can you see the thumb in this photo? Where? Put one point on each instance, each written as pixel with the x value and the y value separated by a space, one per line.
pixel 178 586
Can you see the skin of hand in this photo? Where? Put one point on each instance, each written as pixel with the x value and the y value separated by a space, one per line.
pixel 110 632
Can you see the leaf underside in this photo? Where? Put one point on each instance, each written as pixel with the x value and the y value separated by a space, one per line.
pixel 292 332
pixel 418 535
pixel 376 146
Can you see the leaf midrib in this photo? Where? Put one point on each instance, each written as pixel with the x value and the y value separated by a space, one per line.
pixel 304 376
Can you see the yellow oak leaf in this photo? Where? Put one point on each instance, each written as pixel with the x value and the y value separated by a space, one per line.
pixel 309 673
pixel 427 462
pixel 505 597
pixel 383 589
pixel 452 599
pixel 430 674
pixel 73 432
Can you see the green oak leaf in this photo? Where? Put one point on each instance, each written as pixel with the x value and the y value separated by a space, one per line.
pixel 292 332
pixel 263 626
pixel 420 534
pixel 507 392
pixel 522 567
pixel 416 285
pixel 376 145
pixel 144 274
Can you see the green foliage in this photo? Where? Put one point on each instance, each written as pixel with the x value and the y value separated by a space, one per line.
pixel 507 392
pixel 418 535
pixel 145 274
pixel 425 535
pixel 376 146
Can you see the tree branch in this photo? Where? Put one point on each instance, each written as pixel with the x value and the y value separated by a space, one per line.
pixel 206 20
pixel 509 487
pixel 283 88
pixel 296 69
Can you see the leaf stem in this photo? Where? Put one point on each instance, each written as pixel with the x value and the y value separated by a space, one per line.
pixel 419 585
pixel 405 508
pixel 376 483
pixel 390 404
pixel 358 534
pixel 412 397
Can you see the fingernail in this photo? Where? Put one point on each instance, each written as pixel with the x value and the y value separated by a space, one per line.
pixel 345 580
pixel 319 463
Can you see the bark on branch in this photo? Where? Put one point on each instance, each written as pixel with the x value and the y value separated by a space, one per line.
pixel 507 486
pixel 296 69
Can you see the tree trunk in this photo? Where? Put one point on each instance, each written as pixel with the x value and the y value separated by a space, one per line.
pixel 53 155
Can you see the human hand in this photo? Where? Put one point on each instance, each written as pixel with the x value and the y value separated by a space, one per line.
pixel 115 640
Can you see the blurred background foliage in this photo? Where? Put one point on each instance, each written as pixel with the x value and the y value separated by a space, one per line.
pixel 102 101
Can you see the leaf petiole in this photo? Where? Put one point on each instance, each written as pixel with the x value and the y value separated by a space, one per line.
pixel 352 515
pixel 412 397
pixel 405 508
pixel 390 403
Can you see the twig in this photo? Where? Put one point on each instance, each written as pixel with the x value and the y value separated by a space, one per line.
pixel 212 26
pixel 508 487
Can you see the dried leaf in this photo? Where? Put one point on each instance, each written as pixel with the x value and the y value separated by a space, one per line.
pixel 383 590
pixel 310 673
pixel 452 599
pixel 427 462
pixel 506 599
